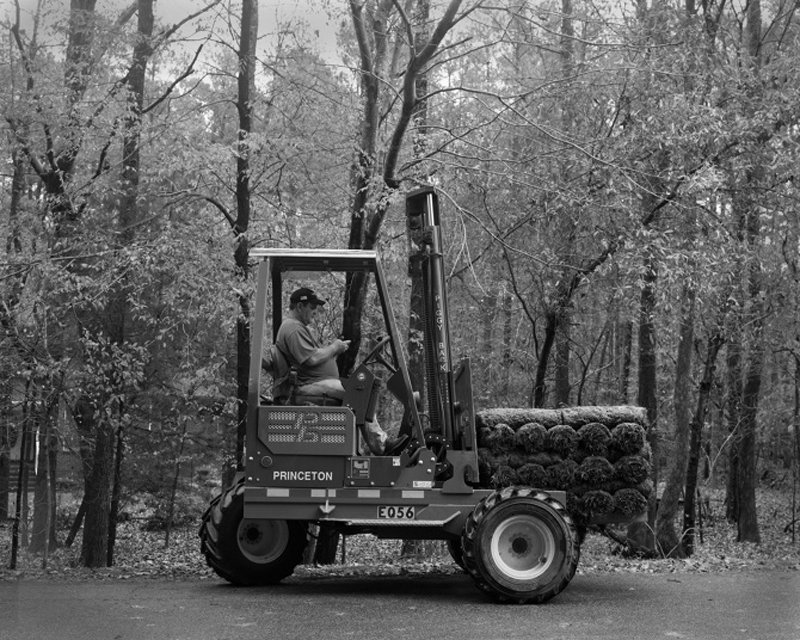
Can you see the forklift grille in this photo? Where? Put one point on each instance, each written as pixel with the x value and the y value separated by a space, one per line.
pixel 307 430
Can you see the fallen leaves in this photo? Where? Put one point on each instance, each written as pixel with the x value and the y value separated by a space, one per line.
pixel 142 554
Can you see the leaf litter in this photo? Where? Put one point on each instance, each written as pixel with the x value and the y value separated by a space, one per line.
pixel 142 554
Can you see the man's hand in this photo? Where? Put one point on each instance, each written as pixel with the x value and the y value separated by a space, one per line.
pixel 324 354
pixel 340 346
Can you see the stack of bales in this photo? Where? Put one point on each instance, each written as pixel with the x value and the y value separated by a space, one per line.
pixel 598 455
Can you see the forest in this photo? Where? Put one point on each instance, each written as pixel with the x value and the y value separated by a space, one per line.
pixel 617 180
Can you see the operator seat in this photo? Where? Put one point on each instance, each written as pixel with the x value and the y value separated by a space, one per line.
pixel 284 382
pixel 361 389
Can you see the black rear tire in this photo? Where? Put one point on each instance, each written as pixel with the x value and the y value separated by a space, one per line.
pixel 520 545
pixel 249 552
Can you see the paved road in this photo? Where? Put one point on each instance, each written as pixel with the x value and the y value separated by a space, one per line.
pixel 758 606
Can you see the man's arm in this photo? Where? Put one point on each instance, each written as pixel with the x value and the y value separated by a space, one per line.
pixel 323 354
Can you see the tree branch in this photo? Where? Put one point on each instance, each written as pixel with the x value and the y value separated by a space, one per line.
pixel 189 71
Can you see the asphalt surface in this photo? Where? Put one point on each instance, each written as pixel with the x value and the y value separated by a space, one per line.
pixel 740 606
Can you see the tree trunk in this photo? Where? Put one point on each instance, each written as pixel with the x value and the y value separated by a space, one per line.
pixel 666 536
pixel 175 482
pixel 647 395
pixel 374 184
pixel 625 329
pixel 696 431
pixel 244 104
pixel 118 309
pixel 567 224
pixel 20 514
pixel 562 380
pixel 76 524
pixel 487 344
pixel 10 301
pixel 507 358
pixel 796 456
pixel 5 479
pixel 415 235
pixel 52 470
pixel 372 41
pixel 116 493
pixel 94 550
pixel 733 414
pixel 41 493
pixel 43 531
pixel 747 478
pixel 558 312
pixel 642 535
pixel 540 384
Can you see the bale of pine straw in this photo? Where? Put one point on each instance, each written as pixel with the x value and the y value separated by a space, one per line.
pixel 575 506
pixel 596 503
pixel 517 458
pixel 530 437
pixel 485 470
pixel 629 502
pixel 544 458
pixel 632 469
pixel 598 455
pixel 645 488
pixel 628 438
pixel 532 475
pixel 504 476
pixel 579 488
pixel 562 474
pixel 595 471
pixel 579 455
pixel 492 459
pixel 576 417
pixel 501 439
pixel 594 438
pixel 561 439
pixel 516 417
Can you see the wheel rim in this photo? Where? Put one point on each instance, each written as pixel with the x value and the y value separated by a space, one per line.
pixel 523 547
pixel 262 541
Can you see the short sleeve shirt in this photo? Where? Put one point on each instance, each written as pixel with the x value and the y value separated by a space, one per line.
pixel 297 343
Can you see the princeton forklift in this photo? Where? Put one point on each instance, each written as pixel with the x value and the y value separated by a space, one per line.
pixel 303 463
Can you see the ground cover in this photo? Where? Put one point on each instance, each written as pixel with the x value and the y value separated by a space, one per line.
pixel 142 553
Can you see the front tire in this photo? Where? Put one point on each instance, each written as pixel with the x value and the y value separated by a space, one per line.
pixel 520 545
pixel 249 552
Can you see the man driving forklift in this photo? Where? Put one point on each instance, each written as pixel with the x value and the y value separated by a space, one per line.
pixel 317 371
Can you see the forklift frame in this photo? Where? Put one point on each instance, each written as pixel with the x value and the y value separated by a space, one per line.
pixel 330 483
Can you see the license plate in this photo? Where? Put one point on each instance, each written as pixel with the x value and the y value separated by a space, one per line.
pixel 396 513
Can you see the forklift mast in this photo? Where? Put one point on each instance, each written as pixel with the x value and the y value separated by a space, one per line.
pixel 422 209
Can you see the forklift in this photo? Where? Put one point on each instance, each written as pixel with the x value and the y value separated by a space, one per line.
pixel 303 464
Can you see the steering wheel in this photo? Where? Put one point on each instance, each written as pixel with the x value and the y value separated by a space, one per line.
pixel 377 355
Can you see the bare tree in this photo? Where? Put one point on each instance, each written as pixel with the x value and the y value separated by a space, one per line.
pixel 246 94
pixel 374 182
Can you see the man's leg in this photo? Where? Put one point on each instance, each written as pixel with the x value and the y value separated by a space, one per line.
pixel 373 435
pixel 331 387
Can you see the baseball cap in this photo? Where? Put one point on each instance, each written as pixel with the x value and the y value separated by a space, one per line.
pixel 304 294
